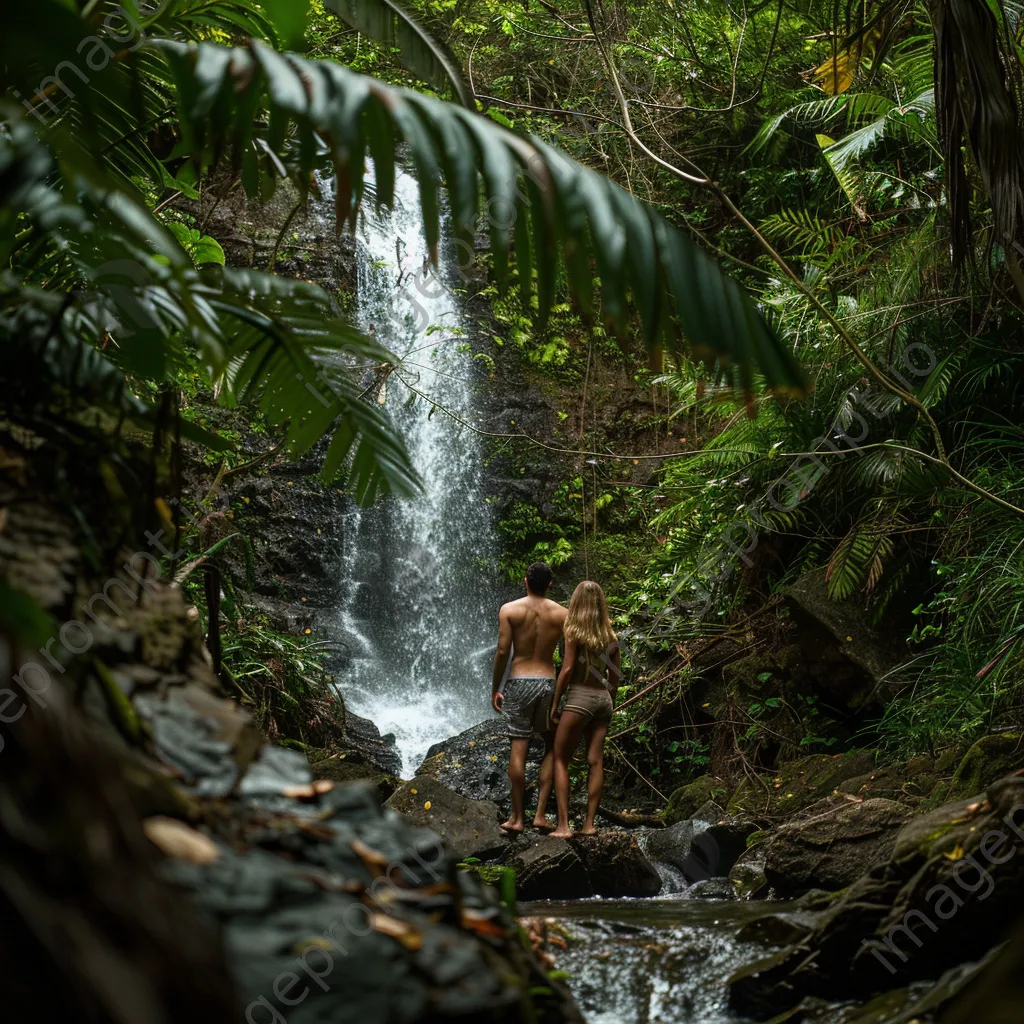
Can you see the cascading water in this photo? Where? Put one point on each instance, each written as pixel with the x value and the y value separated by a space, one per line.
pixel 420 586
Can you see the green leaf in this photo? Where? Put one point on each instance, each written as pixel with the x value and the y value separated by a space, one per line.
pixel 289 18
pixel 422 53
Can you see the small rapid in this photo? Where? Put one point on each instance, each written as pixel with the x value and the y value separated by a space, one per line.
pixel 652 961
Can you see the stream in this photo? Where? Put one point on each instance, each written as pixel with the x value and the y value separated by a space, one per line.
pixel 655 961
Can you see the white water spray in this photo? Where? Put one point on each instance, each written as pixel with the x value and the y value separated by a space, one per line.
pixel 420 579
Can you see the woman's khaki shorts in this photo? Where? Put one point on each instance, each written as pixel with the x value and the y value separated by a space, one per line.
pixel 593 703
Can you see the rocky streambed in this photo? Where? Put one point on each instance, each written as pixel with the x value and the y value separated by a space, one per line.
pixel 855 907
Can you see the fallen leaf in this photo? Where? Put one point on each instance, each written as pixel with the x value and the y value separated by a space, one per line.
pixel 955 854
pixel 318 941
pixel 179 841
pixel 315 788
pixel 373 860
pixel 426 806
pixel 403 931
pixel 482 924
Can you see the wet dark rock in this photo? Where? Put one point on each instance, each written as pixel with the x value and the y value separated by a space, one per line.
pixel 362 735
pixel 351 766
pixel 475 763
pixel 548 869
pixel 713 889
pixel 709 812
pixel 747 874
pixel 469 828
pixel 952 885
pixel 690 847
pixel 616 865
pixel 778 929
pixel 727 841
pixel 609 864
pixel 832 849
pixel 365 919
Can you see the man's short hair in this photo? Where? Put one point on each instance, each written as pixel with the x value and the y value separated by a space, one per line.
pixel 539 577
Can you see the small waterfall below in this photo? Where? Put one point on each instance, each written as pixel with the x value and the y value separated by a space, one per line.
pixel 420 584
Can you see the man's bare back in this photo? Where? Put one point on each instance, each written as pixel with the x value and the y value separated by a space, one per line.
pixel 536 627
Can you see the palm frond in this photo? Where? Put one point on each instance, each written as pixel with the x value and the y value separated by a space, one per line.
pixel 977 103
pixel 135 295
pixel 422 53
pixel 561 211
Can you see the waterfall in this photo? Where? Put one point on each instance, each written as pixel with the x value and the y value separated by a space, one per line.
pixel 420 585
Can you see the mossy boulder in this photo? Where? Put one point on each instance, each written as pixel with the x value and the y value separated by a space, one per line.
pixel 831 850
pixel 687 800
pixel 800 783
pixel 991 758
pixel 351 766
pixel 908 781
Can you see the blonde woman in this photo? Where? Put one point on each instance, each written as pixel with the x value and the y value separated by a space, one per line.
pixel 591 671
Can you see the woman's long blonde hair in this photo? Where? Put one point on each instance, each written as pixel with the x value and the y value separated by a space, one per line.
pixel 588 622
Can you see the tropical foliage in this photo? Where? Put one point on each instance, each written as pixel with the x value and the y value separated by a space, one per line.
pixel 856 172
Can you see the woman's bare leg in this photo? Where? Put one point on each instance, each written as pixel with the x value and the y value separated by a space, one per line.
pixel 596 733
pixel 569 728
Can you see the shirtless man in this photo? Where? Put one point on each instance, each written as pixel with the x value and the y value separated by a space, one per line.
pixel 529 630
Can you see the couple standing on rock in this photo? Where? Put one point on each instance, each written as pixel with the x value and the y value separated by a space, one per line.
pixel 529 630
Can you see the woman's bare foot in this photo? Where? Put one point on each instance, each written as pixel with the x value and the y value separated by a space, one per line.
pixel 543 825
pixel 561 833
pixel 587 831
pixel 512 826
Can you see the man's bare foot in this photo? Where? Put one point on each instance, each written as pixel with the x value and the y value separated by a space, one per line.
pixel 587 831
pixel 561 833
pixel 542 824
pixel 512 826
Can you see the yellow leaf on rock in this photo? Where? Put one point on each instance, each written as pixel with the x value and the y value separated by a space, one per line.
pixel 179 841
pixel 426 806
pixel 955 854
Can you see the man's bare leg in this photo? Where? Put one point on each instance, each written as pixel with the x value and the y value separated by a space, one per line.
pixel 517 783
pixel 546 781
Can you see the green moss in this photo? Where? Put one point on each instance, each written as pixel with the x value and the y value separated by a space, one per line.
pixel 489 873
pixel 989 759
pixel 687 799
